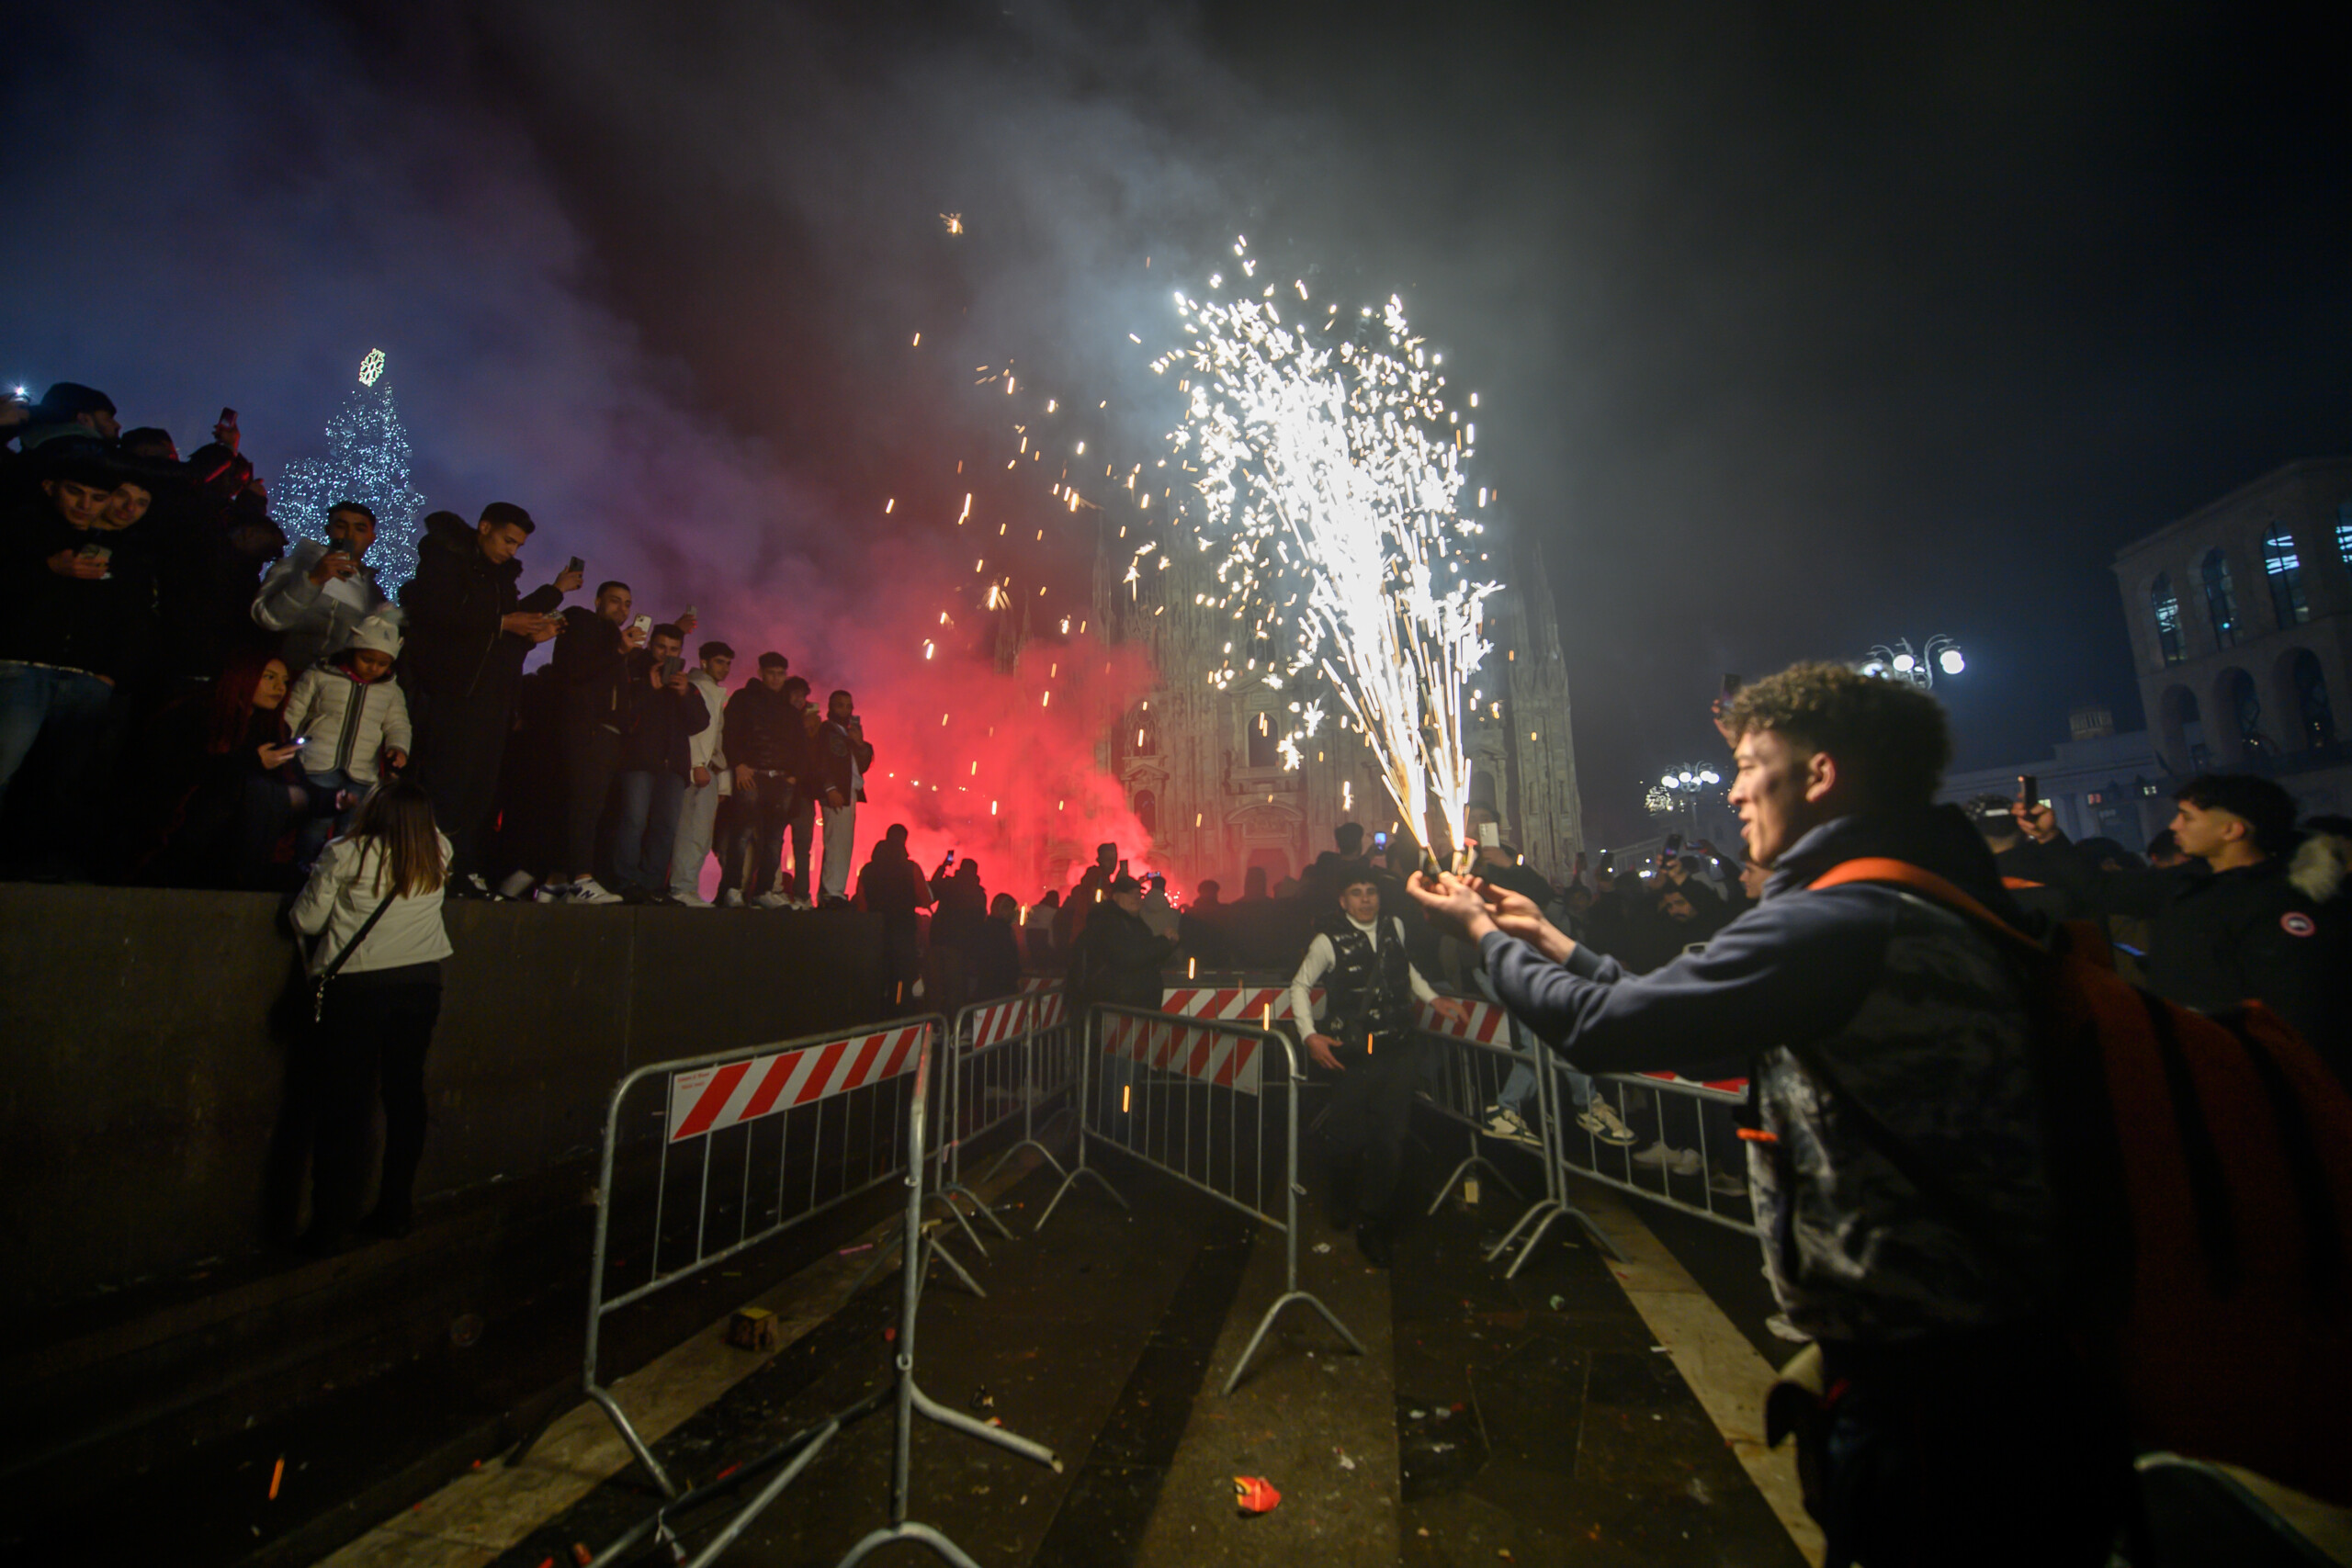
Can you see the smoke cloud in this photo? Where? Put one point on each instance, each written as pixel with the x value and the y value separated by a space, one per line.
pixel 1795 333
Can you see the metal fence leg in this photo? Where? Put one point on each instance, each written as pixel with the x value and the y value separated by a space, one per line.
pixel 1085 1106
pixel 1291 1292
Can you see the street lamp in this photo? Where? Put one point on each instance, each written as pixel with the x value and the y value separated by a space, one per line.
pixel 1900 662
pixel 1678 791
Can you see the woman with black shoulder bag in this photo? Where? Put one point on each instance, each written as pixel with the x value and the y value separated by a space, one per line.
pixel 374 903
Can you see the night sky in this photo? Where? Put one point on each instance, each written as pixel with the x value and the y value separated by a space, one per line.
pixel 1797 329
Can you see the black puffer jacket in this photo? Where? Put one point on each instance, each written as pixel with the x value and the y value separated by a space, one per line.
pixel 455 649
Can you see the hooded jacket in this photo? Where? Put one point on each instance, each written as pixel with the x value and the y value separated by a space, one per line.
pixel 657 727
pixel 454 603
pixel 1915 1014
pixel 317 620
pixel 349 722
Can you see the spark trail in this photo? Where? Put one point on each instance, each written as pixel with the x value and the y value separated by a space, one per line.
pixel 1329 481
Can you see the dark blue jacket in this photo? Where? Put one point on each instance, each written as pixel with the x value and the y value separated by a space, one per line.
pixel 1916 1016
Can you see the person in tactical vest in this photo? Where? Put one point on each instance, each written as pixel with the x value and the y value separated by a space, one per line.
pixel 1366 1036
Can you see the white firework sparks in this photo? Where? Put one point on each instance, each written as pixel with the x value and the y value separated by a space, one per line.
pixel 1329 470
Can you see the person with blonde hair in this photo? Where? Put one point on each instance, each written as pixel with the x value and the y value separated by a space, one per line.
pixel 374 903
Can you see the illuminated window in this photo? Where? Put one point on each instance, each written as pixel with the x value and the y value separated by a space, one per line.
pixel 2221 598
pixel 2344 532
pixel 2167 604
pixel 2286 574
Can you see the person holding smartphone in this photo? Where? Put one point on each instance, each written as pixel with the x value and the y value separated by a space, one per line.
pixel 469 628
pixel 659 718
pixel 844 759
pixel 317 595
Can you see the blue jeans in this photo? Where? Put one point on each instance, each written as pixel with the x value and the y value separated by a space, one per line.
pixel 649 804
pixel 1517 1093
pixel 67 705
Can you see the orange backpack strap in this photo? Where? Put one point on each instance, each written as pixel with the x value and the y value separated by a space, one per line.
pixel 1926 882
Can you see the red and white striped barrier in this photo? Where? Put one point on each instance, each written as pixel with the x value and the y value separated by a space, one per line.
pixel 1211 1055
pixel 1000 1023
pixel 1051 1008
pixel 710 1098
pixel 1241 1004
pixel 1484 1026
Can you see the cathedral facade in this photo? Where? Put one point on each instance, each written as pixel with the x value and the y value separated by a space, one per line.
pixel 1201 768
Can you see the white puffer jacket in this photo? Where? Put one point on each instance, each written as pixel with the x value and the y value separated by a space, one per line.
pixel 348 722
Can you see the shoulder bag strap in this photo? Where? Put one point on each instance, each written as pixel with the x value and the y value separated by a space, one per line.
pixel 334 966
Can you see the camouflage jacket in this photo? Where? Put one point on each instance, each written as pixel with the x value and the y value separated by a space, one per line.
pixel 1915 1016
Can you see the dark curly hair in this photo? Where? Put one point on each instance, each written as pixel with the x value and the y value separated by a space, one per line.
pixel 1889 734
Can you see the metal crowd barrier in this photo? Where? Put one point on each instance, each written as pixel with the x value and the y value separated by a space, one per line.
pixel 1015 1058
pixel 991 1075
pixel 1188 1094
pixel 909 1399
pixel 1716 1143
pixel 1482 1058
pixel 751 1142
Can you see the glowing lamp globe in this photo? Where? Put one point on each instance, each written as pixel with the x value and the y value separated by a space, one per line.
pixel 1905 664
pixel 1668 781
pixel 1952 662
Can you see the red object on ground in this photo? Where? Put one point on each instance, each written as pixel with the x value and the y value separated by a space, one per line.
pixel 1255 1494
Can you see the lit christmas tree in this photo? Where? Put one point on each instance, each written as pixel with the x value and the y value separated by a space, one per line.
pixel 366 461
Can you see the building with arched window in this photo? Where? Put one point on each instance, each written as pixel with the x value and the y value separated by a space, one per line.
pixel 2236 677
pixel 1204 772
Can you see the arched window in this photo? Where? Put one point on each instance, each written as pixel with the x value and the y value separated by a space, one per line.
pixel 1265 745
pixel 2221 598
pixel 2167 604
pixel 1147 812
pixel 2286 574
pixel 2245 711
pixel 2311 699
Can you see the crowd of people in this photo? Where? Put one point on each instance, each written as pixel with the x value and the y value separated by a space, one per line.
pixel 185 700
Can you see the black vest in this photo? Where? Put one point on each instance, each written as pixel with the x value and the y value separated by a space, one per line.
pixel 1367 993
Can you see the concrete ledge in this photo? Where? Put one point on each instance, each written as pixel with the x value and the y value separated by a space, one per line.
pixel 140 1083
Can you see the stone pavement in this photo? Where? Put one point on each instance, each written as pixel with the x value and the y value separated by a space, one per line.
pixel 1541 1420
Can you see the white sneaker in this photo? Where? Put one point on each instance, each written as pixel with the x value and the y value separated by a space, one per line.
pixel 553 892
pixel 1502 1122
pixel 690 900
pixel 775 901
pixel 731 898
pixel 1680 1162
pixel 517 884
pixel 588 890
pixel 1781 1328
pixel 1601 1120
pixel 1728 1182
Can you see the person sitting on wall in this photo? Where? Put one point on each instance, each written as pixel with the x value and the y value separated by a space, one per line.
pixel 1367 1035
